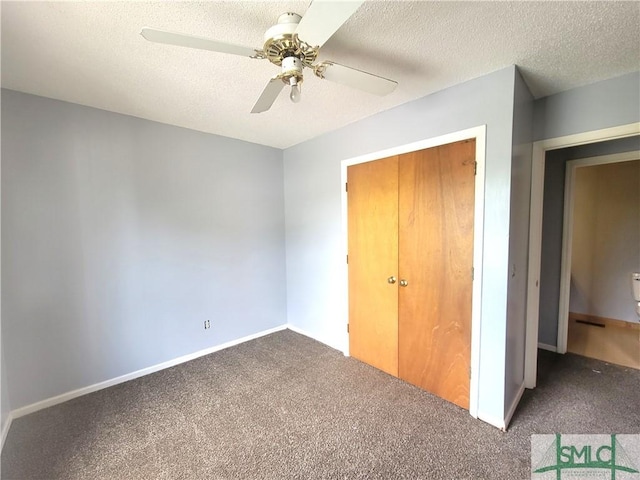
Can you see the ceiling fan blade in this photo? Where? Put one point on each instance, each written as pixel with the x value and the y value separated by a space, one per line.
pixel 351 77
pixel 269 95
pixel 181 40
pixel 323 19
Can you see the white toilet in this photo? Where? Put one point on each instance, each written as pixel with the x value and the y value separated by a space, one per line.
pixel 635 286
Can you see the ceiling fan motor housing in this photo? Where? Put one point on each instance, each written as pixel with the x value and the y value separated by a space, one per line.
pixel 281 42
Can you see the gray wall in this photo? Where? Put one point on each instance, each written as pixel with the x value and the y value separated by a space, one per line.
pixel 552 218
pixel 316 287
pixel 551 251
pixel 518 240
pixel 609 103
pixel 120 236
pixel 5 405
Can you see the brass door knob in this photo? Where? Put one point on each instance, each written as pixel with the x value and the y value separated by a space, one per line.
pixel 391 279
pixel 403 283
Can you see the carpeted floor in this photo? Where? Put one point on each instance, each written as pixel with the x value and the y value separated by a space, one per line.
pixel 285 407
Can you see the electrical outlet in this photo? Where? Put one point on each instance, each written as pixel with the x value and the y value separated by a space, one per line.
pixel 207 324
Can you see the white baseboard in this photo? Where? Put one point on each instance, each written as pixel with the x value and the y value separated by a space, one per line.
pixel 5 429
pixel 49 402
pixel 544 346
pixel 514 405
pixel 491 420
pixel 503 423
pixel 293 328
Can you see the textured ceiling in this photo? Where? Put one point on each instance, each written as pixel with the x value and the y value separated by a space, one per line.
pixel 91 53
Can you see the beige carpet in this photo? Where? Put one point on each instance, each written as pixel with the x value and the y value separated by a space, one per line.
pixel 285 407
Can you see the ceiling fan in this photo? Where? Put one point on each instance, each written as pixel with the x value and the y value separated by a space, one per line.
pixel 292 44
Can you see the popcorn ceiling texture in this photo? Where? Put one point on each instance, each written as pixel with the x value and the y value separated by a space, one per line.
pixel 91 53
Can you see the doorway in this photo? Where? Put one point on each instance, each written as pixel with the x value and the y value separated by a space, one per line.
pixel 600 250
pixel 540 150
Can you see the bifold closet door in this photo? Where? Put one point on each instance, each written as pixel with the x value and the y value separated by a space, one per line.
pixel 373 263
pixel 436 205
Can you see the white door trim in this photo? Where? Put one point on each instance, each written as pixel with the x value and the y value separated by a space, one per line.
pixel 479 133
pixel 567 234
pixel 535 228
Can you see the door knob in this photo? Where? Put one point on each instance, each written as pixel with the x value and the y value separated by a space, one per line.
pixel 391 279
pixel 403 283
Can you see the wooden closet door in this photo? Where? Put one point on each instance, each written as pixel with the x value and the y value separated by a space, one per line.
pixel 373 258
pixel 436 205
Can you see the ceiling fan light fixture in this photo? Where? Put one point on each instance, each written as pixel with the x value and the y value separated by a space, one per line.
pixel 295 90
pixel 292 75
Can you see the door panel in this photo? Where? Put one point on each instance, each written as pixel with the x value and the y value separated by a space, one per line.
pixel 436 205
pixel 373 258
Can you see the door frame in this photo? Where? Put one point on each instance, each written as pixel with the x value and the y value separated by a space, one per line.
pixel 535 228
pixel 567 234
pixel 479 134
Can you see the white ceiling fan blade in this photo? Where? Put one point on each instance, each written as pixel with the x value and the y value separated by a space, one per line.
pixel 269 95
pixel 355 78
pixel 181 40
pixel 323 19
